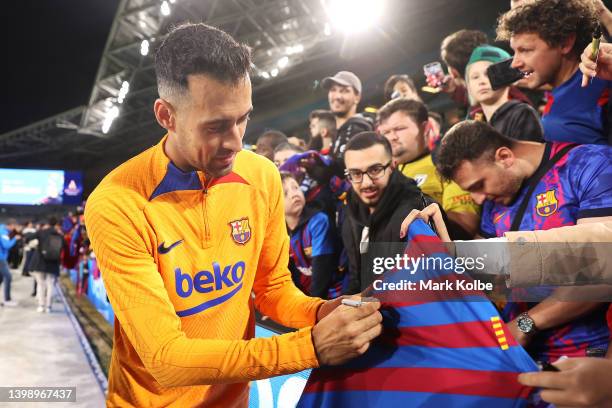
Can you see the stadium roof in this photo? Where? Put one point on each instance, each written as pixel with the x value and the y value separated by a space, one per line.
pixel 295 44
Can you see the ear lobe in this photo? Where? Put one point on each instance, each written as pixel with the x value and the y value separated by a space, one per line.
pixel 164 113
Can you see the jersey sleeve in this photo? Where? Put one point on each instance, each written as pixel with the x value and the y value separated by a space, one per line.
pixel 119 236
pixel 592 180
pixel 276 295
pixel 487 228
pixel 321 234
pixel 458 200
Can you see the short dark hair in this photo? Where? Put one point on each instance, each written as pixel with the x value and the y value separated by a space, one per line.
pixel 394 79
pixel 288 146
pixel 276 137
pixel 198 49
pixel 365 140
pixel 415 109
pixel 326 118
pixel 553 20
pixel 469 140
pixel 286 175
pixel 52 221
pixel 457 48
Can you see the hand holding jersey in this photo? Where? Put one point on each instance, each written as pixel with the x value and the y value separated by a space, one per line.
pixel 186 231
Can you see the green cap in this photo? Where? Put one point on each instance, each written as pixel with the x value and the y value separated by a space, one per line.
pixel 487 53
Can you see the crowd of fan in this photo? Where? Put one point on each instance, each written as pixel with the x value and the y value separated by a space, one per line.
pixel 360 174
pixel 41 250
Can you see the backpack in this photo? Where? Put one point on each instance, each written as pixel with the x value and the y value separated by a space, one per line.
pixel 52 247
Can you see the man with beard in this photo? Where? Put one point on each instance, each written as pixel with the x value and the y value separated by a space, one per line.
pixel 527 186
pixel 187 231
pixel 344 94
pixel 405 124
pixel 381 197
pixel 322 125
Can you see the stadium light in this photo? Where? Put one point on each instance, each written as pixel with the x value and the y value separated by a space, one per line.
pixel 125 88
pixel 110 116
pixel 283 62
pixel 144 47
pixel 274 72
pixel 296 49
pixel 165 8
pixel 351 16
pixel 265 75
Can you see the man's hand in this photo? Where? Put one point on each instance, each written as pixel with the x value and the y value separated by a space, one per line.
pixel 582 382
pixel 346 332
pixel 432 211
pixel 603 68
pixel 329 306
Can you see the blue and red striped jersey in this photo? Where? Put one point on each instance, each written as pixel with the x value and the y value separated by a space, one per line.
pixel 438 348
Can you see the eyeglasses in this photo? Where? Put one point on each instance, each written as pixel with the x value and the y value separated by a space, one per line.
pixel 374 172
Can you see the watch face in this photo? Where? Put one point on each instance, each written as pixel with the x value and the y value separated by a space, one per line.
pixel 525 324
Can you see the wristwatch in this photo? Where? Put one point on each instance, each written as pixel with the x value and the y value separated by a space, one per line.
pixel 526 324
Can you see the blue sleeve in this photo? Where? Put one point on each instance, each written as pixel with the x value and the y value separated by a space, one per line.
pixel 7 243
pixel 591 176
pixel 322 239
pixel 487 228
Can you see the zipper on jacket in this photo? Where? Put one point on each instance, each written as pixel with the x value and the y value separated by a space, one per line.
pixel 206 235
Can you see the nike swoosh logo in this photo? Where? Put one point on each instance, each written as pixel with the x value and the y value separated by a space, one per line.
pixel 164 250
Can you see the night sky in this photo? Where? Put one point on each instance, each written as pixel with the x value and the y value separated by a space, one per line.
pixel 51 50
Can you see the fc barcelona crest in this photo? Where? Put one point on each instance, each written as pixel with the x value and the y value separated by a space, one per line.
pixel 546 203
pixel 241 231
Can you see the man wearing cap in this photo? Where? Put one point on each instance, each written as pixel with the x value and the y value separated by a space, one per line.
pixel 344 94
pixel 511 117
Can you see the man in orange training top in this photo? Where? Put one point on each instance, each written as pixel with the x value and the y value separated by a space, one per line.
pixel 187 230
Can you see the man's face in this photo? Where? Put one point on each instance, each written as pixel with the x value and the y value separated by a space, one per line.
pixel 281 156
pixel 294 197
pixel 405 91
pixel 479 85
pixel 315 128
pixel 264 147
pixel 210 122
pixel 343 100
pixel 536 59
pixel 405 135
pixel 369 191
pixel 490 180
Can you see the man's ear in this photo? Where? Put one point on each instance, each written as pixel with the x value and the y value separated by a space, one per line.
pixel 165 114
pixel 567 45
pixel 505 157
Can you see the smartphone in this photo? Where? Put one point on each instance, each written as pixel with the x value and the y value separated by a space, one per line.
pixel 434 74
pixel 502 74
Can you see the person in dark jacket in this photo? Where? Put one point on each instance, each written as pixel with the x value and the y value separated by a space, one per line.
pixel 381 197
pixel 45 263
pixel 344 94
pixel 511 117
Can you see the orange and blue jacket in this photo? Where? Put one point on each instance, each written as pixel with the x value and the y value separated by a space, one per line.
pixel 181 256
